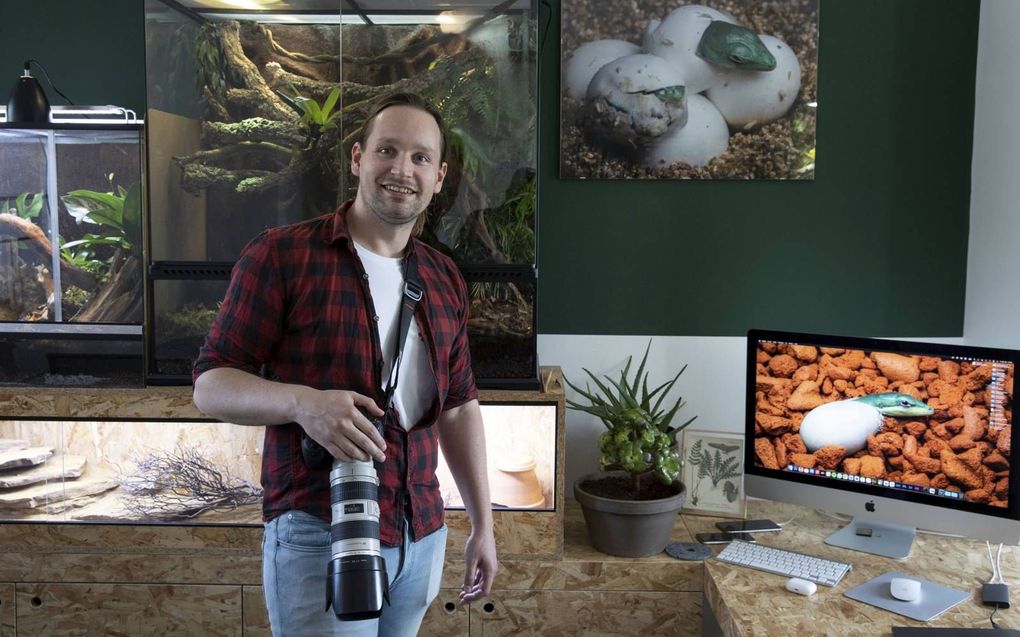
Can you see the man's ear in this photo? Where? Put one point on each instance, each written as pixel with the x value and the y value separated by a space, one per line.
pixel 440 178
pixel 356 159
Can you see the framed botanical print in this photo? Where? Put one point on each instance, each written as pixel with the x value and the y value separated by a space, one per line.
pixel 713 473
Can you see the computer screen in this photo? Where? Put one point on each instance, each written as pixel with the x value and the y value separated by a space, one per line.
pixel 898 434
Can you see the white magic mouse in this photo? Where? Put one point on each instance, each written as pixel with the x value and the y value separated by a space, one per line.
pixel 906 589
pixel 801 586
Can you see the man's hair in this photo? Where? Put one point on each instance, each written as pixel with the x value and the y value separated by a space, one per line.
pixel 406 99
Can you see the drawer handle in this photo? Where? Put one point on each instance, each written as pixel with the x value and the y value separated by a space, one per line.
pixel 449 607
pixel 488 607
pixel 36 602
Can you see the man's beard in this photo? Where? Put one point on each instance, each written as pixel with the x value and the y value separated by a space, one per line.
pixel 395 214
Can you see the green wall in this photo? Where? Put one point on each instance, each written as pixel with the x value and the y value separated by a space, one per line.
pixel 876 244
pixel 94 50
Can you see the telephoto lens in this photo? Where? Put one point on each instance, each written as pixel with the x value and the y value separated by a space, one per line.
pixel 357 584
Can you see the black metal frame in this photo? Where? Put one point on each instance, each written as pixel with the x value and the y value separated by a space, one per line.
pixel 174 271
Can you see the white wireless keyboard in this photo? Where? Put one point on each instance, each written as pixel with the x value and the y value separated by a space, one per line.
pixel 783 562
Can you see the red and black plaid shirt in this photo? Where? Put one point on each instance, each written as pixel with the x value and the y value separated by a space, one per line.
pixel 298 310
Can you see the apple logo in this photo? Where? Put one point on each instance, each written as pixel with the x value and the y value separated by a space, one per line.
pixel 870 506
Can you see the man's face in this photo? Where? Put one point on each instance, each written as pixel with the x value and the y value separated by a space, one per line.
pixel 399 168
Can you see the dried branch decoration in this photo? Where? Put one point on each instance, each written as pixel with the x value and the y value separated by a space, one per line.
pixel 184 484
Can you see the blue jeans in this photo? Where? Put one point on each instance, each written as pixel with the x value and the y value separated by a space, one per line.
pixel 295 554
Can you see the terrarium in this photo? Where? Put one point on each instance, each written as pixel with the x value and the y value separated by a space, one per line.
pixel 253 114
pixel 171 472
pixel 71 266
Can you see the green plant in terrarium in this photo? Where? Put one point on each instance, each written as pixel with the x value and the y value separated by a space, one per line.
pixel 317 118
pixel 192 320
pixel 27 205
pixel 639 437
pixel 510 225
pixel 117 213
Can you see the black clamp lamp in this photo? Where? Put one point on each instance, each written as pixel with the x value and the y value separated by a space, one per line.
pixel 27 103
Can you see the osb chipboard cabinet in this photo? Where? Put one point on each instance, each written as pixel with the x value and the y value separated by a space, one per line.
pixel 112 579
pixel 103 579
pixel 584 592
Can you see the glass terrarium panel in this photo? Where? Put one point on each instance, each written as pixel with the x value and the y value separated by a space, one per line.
pixel 282 104
pixel 151 472
pixel 72 201
pixel 477 62
pixel 173 472
pixel 24 224
pixel 501 331
pixel 520 443
pixel 88 356
pixel 184 312
pixel 173 123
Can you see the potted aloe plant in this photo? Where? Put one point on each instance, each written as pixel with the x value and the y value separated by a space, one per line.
pixel 630 507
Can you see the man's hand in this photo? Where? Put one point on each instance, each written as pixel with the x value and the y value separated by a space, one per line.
pixel 481 565
pixel 333 419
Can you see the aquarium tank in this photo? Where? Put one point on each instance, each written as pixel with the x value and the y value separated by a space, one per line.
pixel 251 117
pixel 71 265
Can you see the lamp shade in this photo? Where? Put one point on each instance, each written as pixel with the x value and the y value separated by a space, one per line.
pixel 27 103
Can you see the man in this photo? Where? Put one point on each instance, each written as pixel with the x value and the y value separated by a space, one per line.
pixel 304 342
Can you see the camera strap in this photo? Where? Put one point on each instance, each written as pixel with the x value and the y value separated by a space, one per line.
pixel 414 290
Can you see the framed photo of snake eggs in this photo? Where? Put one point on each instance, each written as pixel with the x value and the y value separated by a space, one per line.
pixel 703 89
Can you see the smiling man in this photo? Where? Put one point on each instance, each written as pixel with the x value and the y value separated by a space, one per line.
pixel 304 343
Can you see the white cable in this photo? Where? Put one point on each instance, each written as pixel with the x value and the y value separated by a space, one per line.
pixel 783 524
pixel 998 564
pixel 996 575
pixel 835 516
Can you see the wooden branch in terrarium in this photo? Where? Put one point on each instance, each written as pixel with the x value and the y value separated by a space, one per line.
pixel 184 484
pixel 353 92
pixel 118 299
pixel 252 101
pixel 36 248
pixel 246 75
pixel 200 170
pixel 214 106
pixel 254 129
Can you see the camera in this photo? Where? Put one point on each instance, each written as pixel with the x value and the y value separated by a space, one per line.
pixel 356 582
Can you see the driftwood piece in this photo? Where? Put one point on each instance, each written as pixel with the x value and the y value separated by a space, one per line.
pixel 183 484
pixel 38 249
pixel 197 177
pixel 253 129
pixel 274 152
pixel 245 102
pixel 56 468
pixel 213 106
pixel 350 92
pixel 29 457
pixel 120 299
pixel 258 95
pixel 253 34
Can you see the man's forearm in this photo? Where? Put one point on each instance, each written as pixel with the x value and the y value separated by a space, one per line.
pixel 462 438
pixel 236 396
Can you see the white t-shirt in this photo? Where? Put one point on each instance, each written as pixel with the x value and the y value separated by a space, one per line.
pixel 416 387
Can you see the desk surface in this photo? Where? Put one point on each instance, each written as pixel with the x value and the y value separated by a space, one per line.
pixel 749 602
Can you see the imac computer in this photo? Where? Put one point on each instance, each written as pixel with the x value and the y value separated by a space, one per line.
pixel 897 434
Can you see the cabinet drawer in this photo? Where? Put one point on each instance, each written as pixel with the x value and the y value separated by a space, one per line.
pixel 135 609
pixel 444 617
pixel 586 613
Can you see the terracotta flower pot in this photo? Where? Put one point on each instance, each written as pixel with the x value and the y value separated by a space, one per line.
pixel 628 528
